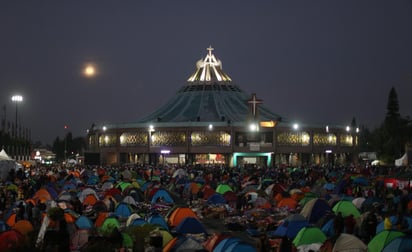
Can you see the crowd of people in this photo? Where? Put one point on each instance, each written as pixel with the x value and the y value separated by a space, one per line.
pixel 17 195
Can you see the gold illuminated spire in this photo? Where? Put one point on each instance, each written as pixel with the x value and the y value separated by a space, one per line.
pixel 209 69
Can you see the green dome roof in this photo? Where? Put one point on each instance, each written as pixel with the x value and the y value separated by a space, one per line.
pixel 210 96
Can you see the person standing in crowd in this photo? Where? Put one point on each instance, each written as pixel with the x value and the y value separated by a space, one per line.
pixel 21 211
pixel 370 224
pixel 350 223
pixel 338 224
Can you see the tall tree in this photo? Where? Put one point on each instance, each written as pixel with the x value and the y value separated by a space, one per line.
pixel 393 130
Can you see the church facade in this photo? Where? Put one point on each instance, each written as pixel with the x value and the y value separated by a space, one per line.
pixel 210 120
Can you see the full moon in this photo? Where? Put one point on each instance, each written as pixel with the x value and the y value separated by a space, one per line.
pixel 89 71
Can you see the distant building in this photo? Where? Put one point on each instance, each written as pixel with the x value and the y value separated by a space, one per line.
pixel 43 156
pixel 210 120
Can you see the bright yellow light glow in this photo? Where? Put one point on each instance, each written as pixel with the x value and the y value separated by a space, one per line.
pixel 268 124
pixel 89 71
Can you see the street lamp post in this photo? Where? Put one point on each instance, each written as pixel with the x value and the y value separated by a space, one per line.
pixel 16 99
pixel 65 142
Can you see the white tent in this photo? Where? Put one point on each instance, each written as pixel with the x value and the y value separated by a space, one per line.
pixel 4 156
pixel 6 164
pixel 403 161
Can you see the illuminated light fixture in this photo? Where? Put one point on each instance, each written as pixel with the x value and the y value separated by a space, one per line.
pixel 253 127
pixel 210 126
pixel 295 126
pixel 305 138
pixel 357 130
pixel 347 128
pixel 268 124
pixel 328 151
pixel 165 151
pixel 122 138
pixel 327 128
pixel 17 98
pixel 151 128
pixel 106 139
pixel 330 138
pixel 104 128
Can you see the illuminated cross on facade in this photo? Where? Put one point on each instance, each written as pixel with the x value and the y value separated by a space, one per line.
pixel 254 103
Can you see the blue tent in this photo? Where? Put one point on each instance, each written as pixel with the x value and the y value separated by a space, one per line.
pixel 93 180
pixel 225 243
pixel 393 219
pixel 315 209
pixel 216 199
pixel 157 219
pixel 84 223
pixel 190 225
pixel 123 210
pixel 240 247
pixel 68 186
pixel 400 244
pixel 146 185
pixel 328 229
pixel 164 195
pixel 290 227
pixel 361 181
pixel 138 222
pixel 369 201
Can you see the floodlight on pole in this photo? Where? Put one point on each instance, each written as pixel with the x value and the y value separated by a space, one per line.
pixel 16 99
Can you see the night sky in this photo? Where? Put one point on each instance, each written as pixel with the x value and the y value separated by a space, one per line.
pixel 313 62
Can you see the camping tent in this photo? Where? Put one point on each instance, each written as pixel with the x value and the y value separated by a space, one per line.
pixel 6 165
pixel 403 161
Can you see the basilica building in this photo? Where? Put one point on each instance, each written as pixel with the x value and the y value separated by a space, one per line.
pixel 210 120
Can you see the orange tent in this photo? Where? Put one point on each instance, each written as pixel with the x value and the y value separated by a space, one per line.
pixel 75 174
pixel 69 218
pixel 90 200
pixel 179 214
pixel 23 226
pixel 42 195
pixel 11 220
pixel 208 191
pixel 288 202
pixel 194 188
pixel 100 218
pixel 278 197
pixel 169 246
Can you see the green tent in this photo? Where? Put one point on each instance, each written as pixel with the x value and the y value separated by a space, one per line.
pixel 309 235
pixel 382 239
pixel 123 185
pixel 127 240
pixel 346 208
pixel 109 224
pixel 308 196
pixel 222 188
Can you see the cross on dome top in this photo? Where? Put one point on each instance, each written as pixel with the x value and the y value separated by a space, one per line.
pixel 210 49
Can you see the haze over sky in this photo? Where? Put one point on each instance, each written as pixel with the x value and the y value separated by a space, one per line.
pixel 316 62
